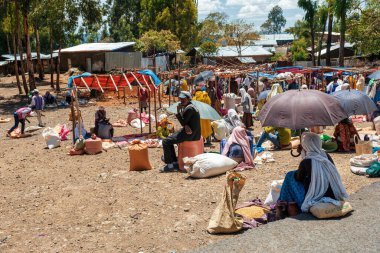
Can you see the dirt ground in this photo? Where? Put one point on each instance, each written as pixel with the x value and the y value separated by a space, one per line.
pixel 52 202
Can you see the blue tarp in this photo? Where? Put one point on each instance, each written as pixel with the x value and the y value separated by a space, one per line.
pixel 289 67
pixel 71 79
pixel 262 74
pixel 150 73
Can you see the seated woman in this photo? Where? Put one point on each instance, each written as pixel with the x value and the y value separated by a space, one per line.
pixel 344 134
pixel 49 98
pixel 232 120
pixel 238 147
pixel 206 130
pixel 316 180
pixel 279 136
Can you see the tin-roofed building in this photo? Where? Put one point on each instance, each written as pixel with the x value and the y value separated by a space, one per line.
pixel 101 57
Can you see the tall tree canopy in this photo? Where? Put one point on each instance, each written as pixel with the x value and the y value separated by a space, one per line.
pixel 275 22
pixel 177 16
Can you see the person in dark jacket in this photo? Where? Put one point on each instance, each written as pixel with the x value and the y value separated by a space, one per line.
pixel 189 118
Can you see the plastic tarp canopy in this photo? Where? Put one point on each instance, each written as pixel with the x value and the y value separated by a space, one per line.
pixel 109 82
pixel 262 74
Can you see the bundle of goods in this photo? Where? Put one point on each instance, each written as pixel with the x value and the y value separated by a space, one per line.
pixel 208 165
pixel 52 138
pixel 360 164
pixel 93 146
pixel 229 100
pixel 138 154
pixel 328 210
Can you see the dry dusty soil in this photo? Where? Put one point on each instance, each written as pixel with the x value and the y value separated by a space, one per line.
pixel 52 202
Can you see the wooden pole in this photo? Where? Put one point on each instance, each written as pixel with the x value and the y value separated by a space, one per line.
pixel 170 87
pixel 155 107
pixel 229 84
pixel 124 95
pixel 114 84
pixel 150 120
pixel 159 97
pixel 97 80
pixel 126 79
pixel 79 113
pixel 84 84
pixel 73 116
pixel 138 90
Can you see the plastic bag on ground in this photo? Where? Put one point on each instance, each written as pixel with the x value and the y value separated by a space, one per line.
pixel 220 129
pixel 136 123
pixel 208 165
pixel 274 193
pixel 51 137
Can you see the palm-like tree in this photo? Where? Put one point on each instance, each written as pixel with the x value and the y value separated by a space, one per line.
pixel 310 8
pixel 341 7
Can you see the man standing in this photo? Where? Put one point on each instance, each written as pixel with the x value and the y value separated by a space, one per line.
pixel 189 118
pixel 38 105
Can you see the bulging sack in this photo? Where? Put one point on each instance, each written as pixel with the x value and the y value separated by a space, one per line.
pixel 220 129
pixel 51 137
pixel 138 155
pixel 224 220
pixel 328 210
pixel 364 160
pixel 208 165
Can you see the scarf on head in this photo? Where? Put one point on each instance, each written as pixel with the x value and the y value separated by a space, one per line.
pixel 239 136
pixel 232 120
pixel 323 172
pixel 244 96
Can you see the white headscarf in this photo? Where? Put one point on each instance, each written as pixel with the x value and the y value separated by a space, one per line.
pixel 233 120
pixel 244 96
pixel 275 90
pixel 323 172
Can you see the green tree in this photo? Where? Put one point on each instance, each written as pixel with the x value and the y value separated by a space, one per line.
pixel 212 27
pixel 152 42
pixel 208 48
pixel 275 22
pixel 322 15
pixel 300 30
pixel 177 16
pixel 239 34
pixel 341 9
pixel 310 8
pixel 266 27
pixel 298 49
pixel 364 29
pixel 123 19
pixel 330 21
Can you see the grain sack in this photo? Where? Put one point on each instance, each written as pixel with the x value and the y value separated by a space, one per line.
pixel 139 158
pixel 224 220
pixel 328 210
pixel 364 160
pixel 220 129
pixel 208 165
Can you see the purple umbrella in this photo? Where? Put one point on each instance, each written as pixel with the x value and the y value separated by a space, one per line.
pixel 297 109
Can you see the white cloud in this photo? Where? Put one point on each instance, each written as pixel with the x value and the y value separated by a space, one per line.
pixel 207 6
pixel 288 4
pixel 250 12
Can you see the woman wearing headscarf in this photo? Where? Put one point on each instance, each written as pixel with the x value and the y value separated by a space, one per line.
pixel 316 180
pixel 206 129
pixel 246 102
pixel 275 90
pixel 232 120
pixel 238 147
pixel 344 134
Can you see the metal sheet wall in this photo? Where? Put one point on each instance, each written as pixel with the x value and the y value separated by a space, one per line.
pixel 123 60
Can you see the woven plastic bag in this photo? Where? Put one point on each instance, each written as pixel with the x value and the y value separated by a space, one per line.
pixel 224 220
pixel 51 137
pixel 139 158
pixel 328 210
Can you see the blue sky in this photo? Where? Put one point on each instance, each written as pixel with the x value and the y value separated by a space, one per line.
pixel 255 11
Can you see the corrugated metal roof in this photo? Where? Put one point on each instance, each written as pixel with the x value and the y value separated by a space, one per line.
pixel 337 46
pixel 246 60
pixel 265 42
pixel 231 51
pixel 3 63
pixel 10 57
pixel 97 47
pixel 281 36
